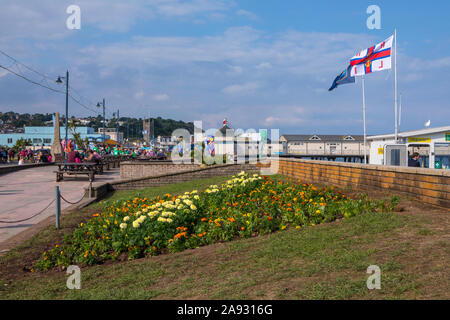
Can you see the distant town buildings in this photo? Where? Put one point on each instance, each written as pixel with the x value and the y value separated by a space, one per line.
pixel 43 136
pixel 112 133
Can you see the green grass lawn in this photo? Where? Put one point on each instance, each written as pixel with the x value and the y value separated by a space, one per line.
pixel 328 261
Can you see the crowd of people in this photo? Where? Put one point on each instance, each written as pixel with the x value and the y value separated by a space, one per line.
pixel 10 156
pixel 27 155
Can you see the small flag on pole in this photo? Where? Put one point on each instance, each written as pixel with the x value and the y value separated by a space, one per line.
pixel 375 58
pixel 343 78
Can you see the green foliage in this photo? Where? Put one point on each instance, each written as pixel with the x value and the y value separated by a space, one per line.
pixel 81 143
pixel 243 207
pixel 21 144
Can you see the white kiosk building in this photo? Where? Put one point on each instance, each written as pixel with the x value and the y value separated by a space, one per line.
pixel 432 144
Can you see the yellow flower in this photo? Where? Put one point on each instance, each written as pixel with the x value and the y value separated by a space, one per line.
pixel 297 227
pixel 317 211
pixel 283 227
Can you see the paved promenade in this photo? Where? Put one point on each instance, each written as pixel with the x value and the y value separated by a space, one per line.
pixel 26 192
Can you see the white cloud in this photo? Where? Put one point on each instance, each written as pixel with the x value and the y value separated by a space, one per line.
pixel 241 88
pixel 46 19
pixel 247 14
pixel 3 73
pixel 139 95
pixel 264 65
pixel 161 97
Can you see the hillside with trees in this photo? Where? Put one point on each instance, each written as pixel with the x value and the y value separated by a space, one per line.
pixel 128 126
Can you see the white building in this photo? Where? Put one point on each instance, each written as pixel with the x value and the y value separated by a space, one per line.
pixel 432 144
pixel 112 133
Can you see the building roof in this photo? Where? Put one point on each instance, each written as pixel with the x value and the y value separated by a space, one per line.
pixel 412 133
pixel 223 130
pixel 322 137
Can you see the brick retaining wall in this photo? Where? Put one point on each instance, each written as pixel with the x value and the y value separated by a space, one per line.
pixel 427 185
pixel 137 169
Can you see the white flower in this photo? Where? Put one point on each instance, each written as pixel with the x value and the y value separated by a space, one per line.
pixel 123 225
pixel 135 224
pixel 126 218
pixel 169 220
pixel 193 207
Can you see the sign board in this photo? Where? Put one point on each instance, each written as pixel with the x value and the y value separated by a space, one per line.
pixel 380 150
pixel 447 136
pixel 419 139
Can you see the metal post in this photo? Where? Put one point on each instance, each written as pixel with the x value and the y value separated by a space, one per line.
pixel 364 120
pixel 104 119
pixel 67 114
pixel 117 125
pixel 58 207
pixel 395 87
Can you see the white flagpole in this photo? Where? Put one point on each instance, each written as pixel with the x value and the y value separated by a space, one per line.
pixel 400 113
pixel 395 86
pixel 364 118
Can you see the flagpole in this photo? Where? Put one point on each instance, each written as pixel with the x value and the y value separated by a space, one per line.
pixel 400 114
pixel 364 119
pixel 395 87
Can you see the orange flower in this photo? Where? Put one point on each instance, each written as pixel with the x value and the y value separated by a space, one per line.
pixel 243 228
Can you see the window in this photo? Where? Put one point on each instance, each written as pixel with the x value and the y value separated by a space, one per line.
pixel 347 138
pixel 48 141
pixel 9 140
pixel 37 140
pixel 314 137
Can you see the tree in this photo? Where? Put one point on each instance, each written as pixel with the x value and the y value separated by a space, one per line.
pixel 21 143
pixel 81 143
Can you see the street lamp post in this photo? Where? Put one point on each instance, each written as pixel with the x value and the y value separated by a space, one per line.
pixel 59 81
pixel 98 105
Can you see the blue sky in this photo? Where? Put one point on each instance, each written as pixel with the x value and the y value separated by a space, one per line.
pixel 261 64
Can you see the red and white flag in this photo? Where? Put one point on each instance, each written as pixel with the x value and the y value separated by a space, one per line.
pixel 375 58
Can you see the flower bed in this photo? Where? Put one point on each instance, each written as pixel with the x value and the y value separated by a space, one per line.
pixel 244 206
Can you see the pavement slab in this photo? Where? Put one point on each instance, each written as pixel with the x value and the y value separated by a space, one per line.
pixel 27 192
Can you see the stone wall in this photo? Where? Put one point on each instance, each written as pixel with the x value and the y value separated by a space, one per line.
pixel 138 169
pixel 427 185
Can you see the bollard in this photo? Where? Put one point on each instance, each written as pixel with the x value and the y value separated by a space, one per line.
pixel 58 207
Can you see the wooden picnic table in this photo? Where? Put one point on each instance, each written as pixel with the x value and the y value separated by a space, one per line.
pixel 74 168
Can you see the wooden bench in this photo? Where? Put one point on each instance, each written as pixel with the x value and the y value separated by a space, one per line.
pixel 73 168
